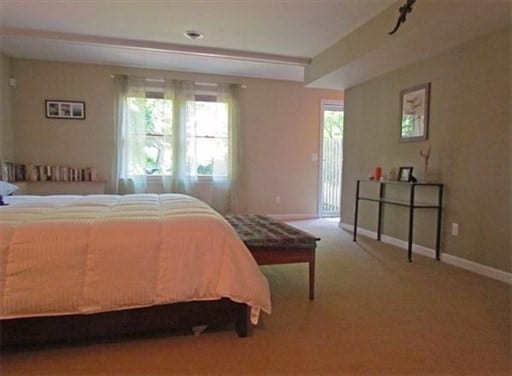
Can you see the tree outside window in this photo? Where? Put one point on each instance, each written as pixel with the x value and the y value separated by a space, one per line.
pixel 207 138
pixel 156 115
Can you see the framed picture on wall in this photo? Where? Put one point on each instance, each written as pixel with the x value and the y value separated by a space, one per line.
pixel 57 109
pixel 414 110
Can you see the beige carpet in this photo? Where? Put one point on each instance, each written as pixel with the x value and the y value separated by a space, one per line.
pixel 374 313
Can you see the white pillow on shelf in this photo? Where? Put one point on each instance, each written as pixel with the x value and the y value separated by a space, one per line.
pixel 7 188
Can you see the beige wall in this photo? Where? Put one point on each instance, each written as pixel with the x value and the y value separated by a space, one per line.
pixel 281 132
pixel 6 141
pixel 470 133
pixel 280 122
pixel 77 143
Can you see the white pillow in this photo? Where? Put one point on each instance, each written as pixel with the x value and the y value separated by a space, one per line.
pixel 7 188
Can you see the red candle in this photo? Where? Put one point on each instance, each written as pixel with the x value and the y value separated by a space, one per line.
pixel 378 173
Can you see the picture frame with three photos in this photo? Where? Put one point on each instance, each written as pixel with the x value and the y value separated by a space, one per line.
pixel 65 109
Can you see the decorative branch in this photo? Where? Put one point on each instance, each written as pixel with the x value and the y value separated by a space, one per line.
pixel 403 10
pixel 426 156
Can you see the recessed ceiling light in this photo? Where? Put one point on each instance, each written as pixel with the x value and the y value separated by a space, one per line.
pixel 191 34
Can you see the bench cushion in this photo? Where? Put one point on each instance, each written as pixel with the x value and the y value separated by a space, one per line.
pixel 262 231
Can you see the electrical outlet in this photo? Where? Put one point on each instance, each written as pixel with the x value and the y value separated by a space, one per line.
pixel 278 199
pixel 455 229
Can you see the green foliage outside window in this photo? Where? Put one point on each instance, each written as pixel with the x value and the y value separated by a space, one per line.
pixel 206 137
pixel 156 116
pixel 333 124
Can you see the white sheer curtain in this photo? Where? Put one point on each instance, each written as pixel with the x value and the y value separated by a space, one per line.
pixel 181 181
pixel 231 190
pixel 129 167
pixel 219 191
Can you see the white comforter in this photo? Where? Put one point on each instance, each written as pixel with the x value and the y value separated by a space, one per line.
pixel 83 254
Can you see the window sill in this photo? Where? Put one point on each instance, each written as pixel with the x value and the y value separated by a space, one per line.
pixel 202 178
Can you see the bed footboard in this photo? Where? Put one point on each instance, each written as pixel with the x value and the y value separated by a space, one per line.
pixel 15 333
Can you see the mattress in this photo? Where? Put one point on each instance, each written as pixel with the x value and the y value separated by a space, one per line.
pixel 67 254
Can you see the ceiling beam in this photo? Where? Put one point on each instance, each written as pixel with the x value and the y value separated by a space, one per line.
pixel 156 46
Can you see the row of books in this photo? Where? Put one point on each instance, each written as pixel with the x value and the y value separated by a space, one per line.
pixel 13 172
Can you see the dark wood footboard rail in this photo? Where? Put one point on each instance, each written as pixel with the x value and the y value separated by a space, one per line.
pixel 22 332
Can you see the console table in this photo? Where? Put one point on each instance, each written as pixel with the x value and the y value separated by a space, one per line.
pixel 411 204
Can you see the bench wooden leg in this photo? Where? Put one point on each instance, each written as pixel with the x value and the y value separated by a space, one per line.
pixel 312 278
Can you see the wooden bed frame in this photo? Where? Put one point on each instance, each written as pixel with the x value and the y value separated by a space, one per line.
pixel 23 332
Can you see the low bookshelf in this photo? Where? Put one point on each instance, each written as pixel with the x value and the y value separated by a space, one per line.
pixel 47 179
pixel 44 188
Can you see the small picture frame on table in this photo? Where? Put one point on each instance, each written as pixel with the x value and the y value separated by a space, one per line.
pixel 57 109
pixel 405 174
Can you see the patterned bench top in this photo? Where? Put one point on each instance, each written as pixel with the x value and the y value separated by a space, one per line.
pixel 262 231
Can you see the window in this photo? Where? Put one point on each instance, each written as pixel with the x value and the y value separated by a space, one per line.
pixel 207 137
pixel 177 136
pixel 150 120
pixel 177 130
pixel 207 142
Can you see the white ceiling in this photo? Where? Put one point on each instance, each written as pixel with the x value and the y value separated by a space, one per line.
pixel 241 36
pixel 250 38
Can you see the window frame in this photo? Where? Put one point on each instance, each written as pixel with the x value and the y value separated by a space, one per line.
pixel 212 98
pixel 157 94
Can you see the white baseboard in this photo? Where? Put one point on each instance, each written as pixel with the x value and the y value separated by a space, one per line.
pixel 460 262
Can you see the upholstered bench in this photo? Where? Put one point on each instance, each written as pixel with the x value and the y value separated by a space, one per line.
pixel 274 242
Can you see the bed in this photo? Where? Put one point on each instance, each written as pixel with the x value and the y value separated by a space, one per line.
pixel 74 267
